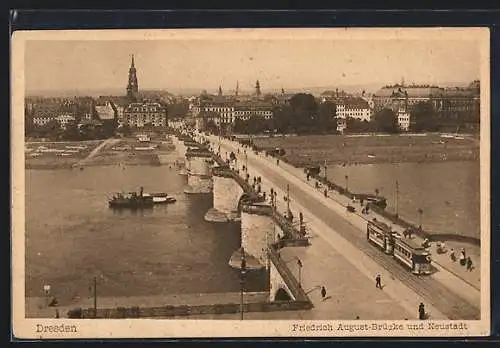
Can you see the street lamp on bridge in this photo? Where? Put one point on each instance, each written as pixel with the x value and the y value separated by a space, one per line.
pixel 420 212
pixel 347 183
pixel 243 271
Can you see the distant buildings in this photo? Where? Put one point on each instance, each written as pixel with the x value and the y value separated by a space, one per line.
pixel 354 108
pixel 357 108
pixel 224 111
pixel 144 114
pixel 105 111
pixel 449 103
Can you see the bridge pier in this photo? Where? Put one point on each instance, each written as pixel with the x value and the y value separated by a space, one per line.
pixel 227 196
pixel 181 149
pixel 258 231
pixel 199 163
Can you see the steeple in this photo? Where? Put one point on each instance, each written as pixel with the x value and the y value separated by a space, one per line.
pixel 237 88
pixel 132 86
pixel 220 91
pixel 257 88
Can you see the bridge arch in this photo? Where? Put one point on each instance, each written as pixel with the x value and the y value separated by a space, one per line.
pixel 282 295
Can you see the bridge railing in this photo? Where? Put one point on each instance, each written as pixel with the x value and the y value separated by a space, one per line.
pixel 290 231
pixel 287 275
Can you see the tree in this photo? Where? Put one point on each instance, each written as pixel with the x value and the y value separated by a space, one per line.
pixel 125 129
pixel 282 119
pixel 72 132
pixel 211 126
pixel 423 117
pixel 385 121
pixel 327 122
pixel 355 125
pixel 304 112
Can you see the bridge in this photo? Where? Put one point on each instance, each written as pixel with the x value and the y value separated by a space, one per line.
pixel 250 188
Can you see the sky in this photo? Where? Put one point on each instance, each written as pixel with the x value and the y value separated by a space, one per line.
pixel 52 65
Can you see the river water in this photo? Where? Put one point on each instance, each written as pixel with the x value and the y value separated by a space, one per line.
pixel 447 192
pixel 72 236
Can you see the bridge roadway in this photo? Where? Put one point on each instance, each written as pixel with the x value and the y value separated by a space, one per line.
pixel 432 291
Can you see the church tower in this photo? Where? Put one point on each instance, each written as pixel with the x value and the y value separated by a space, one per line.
pixel 257 88
pixel 132 86
pixel 237 89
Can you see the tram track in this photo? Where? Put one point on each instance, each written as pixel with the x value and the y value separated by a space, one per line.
pixel 428 288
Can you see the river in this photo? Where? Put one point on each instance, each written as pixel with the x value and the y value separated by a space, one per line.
pixel 72 236
pixel 447 192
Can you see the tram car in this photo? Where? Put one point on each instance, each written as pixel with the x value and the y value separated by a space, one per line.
pixel 381 235
pixel 411 255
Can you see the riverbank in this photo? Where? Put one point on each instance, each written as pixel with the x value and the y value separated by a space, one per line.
pixel 366 149
pixel 58 155
pixel 125 151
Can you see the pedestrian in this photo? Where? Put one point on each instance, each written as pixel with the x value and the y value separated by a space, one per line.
pixel 462 257
pixel 469 263
pixel 323 293
pixel 453 257
pixel 421 311
pixel 378 282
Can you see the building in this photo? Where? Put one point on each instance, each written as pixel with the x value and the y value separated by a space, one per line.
pixel 64 119
pixel 105 111
pixel 144 114
pixel 401 96
pixel 133 85
pixel 450 103
pixel 244 111
pixel 354 108
pixel 403 119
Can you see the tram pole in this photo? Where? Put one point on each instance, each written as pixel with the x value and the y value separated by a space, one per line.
pixel 95 297
pixel 397 199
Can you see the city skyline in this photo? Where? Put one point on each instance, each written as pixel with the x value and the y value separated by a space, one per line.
pixel 174 64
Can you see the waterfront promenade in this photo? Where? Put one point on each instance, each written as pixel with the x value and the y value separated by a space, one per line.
pixel 453 298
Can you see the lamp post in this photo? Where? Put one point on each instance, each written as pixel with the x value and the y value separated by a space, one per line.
pixel 95 297
pixel 397 199
pixel 326 171
pixel 347 183
pixel 420 213
pixel 287 198
pixel 243 271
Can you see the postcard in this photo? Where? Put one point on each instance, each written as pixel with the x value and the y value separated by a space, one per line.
pixel 250 183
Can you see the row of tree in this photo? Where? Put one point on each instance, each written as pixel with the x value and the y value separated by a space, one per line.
pixel 305 115
pixel 72 131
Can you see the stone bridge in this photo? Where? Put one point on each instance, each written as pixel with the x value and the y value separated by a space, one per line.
pixel 263 230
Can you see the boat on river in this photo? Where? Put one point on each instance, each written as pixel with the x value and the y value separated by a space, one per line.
pixel 132 200
pixel 160 198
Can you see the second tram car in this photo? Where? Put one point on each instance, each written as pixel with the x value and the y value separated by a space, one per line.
pixel 412 255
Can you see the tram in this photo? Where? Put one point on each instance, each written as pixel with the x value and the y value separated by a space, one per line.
pixel 381 235
pixel 411 255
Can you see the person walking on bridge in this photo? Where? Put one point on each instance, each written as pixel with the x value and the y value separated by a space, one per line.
pixel 378 282
pixel 323 293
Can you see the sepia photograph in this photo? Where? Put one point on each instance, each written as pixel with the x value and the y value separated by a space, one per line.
pixel 250 183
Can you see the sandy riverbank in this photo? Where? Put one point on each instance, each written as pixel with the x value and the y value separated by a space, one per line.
pixel 361 149
pixel 127 151
pixel 39 155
